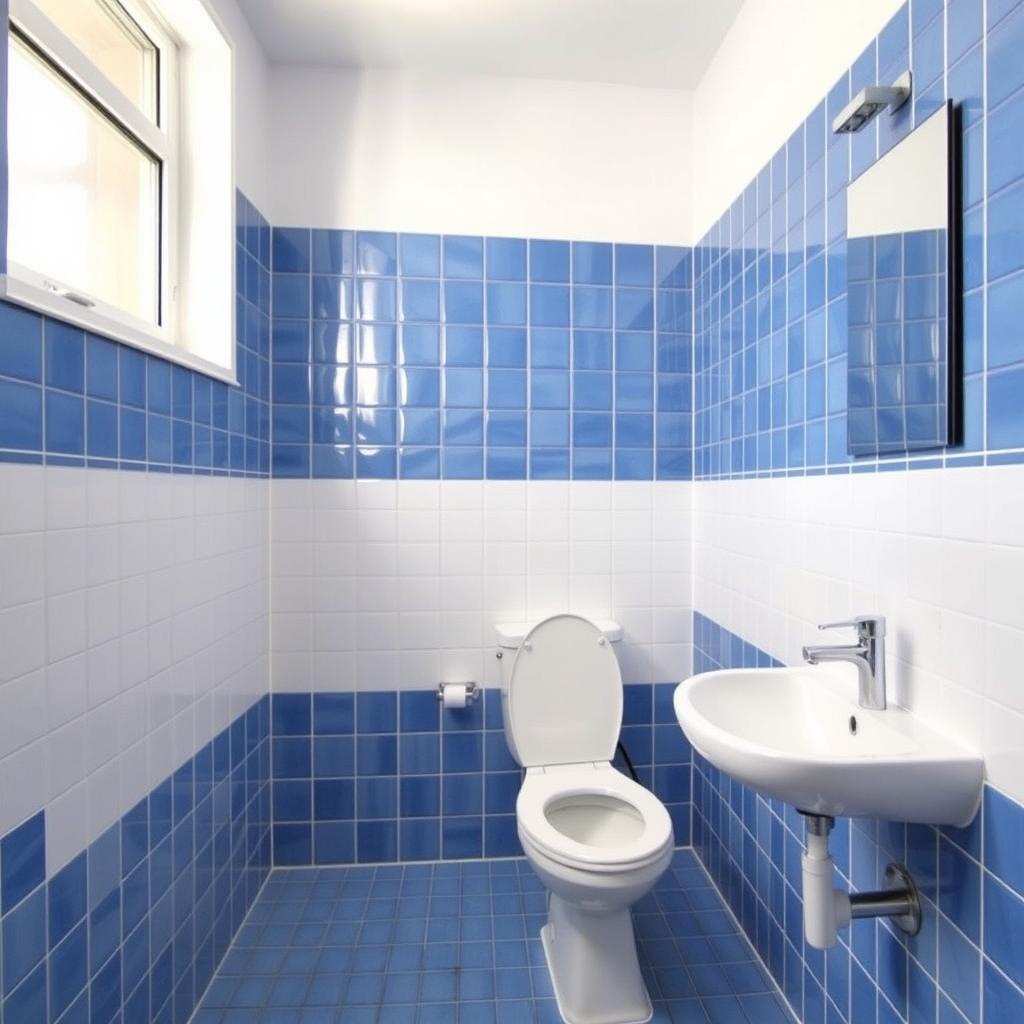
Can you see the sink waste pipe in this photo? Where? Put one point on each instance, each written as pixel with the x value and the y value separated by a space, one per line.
pixel 827 909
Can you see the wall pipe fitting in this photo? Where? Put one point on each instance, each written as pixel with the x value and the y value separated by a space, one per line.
pixel 827 909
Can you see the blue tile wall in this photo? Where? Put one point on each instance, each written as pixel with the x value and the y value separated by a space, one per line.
pixel 392 776
pixel 770 277
pixel 962 966
pixel 429 356
pixel 71 398
pixel 134 927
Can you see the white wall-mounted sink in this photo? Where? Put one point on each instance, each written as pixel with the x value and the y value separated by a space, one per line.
pixel 795 734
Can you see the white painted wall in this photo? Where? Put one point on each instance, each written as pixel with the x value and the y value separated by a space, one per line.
pixel 251 104
pixel 481 155
pixel 382 584
pixel 134 625
pixel 938 552
pixel 778 60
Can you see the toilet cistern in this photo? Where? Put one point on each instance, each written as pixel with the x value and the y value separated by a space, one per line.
pixel 867 654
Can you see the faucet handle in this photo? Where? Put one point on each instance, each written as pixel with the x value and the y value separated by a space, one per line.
pixel 867 626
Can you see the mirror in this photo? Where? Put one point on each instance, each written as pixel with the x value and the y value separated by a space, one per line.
pixel 903 370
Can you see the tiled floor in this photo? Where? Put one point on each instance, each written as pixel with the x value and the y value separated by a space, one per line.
pixel 458 941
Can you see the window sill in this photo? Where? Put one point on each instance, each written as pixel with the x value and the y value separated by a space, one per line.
pixel 41 300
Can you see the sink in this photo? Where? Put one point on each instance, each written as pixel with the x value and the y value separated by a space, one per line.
pixel 798 734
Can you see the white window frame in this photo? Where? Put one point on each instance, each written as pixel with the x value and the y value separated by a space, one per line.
pixel 163 140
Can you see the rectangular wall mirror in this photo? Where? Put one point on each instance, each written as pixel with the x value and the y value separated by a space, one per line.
pixel 903 372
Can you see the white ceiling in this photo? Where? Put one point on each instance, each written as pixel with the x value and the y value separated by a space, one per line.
pixel 666 43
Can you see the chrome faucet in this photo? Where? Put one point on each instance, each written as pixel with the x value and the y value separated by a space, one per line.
pixel 868 654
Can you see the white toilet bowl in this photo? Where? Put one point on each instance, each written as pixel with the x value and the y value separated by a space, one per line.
pixel 597 840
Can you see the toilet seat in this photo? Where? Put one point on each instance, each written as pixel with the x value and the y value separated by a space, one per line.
pixel 544 787
pixel 562 701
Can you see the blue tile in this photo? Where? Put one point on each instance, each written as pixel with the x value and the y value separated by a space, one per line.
pixel 21 416
pixel 377 344
pixel 506 389
pixel 376 841
pixel 22 861
pixel 376 253
pixel 333 713
pixel 506 259
pixel 1005 160
pixel 24 939
pixel 331 298
pixel 376 299
pixel 68 970
pixel 1005 74
pixel 291 714
pixel 293 844
pixel 65 357
pixel 333 799
pixel 1003 1002
pixel 592 306
pixel 1004 918
pixel 419 255
pixel 463 838
pixel 421 301
pixel 419 711
pixel 377 712
pixel 463 256
pixel 462 752
pixel 592 262
pixel 506 303
pixel 634 309
pixel 549 305
pixel 506 347
pixel 27 1004
pixel 333 842
pixel 66 899
pixel 1005 410
pixel 420 797
pixel 332 251
pixel 420 344
pixel 959 969
pixel 290 250
pixel 1004 838
pixel 334 756
pixel 549 348
pixel 634 265
pixel 377 754
pixel 21 354
pixel 549 261
pixel 463 302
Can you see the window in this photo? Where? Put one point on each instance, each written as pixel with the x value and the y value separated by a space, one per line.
pixel 113 222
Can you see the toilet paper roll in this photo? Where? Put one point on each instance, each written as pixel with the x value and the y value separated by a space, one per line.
pixel 454 695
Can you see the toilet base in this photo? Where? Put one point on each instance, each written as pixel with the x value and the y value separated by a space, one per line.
pixel 593 965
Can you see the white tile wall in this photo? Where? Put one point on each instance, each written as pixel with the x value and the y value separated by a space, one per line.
pixel 134 626
pixel 939 552
pixel 398 584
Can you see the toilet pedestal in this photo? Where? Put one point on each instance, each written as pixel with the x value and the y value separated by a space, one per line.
pixel 593 964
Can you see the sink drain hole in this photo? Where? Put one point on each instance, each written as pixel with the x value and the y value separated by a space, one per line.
pixel 853 725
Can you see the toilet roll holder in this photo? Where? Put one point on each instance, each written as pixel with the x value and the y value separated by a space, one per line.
pixel 472 691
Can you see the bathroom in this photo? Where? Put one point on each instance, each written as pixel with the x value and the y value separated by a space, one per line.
pixel 420 498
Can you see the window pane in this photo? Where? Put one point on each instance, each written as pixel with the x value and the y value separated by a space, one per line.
pixel 105 33
pixel 84 199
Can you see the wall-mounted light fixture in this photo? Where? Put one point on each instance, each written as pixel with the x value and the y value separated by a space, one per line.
pixel 870 101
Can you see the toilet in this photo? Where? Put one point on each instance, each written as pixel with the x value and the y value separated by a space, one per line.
pixel 597 839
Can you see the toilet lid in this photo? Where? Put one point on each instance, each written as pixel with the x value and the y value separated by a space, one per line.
pixel 564 699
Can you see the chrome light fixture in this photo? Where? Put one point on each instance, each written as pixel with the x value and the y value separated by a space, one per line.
pixel 870 101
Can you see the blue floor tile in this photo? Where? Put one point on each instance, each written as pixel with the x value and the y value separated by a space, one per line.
pixel 459 943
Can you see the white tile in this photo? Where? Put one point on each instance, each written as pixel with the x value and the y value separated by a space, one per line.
pixel 23 639
pixel 22 568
